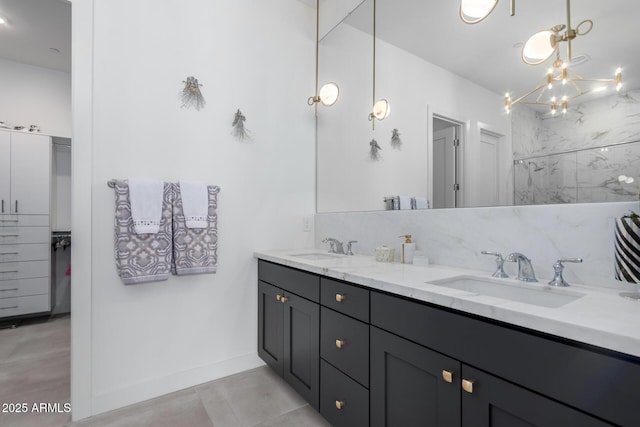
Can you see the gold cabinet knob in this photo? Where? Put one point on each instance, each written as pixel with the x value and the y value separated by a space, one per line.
pixel 283 299
pixel 447 376
pixel 467 385
pixel 340 297
pixel 278 297
pixel 340 343
pixel 339 404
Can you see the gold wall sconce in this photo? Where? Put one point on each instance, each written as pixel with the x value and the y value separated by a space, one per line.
pixel 329 92
pixel 381 108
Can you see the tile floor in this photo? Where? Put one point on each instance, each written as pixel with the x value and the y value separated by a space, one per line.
pixel 34 368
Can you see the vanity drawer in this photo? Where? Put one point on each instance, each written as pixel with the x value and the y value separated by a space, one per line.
pixel 14 235
pixel 298 282
pixel 28 252
pixel 24 220
pixel 24 305
pixel 24 287
pixel 23 270
pixel 343 402
pixel 348 299
pixel 344 342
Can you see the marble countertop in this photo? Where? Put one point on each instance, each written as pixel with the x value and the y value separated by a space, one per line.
pixel 601 317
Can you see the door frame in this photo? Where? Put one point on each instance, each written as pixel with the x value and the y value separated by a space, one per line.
pixel 461 127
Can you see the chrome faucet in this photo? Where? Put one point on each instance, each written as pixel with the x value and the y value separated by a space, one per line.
pixel 525 269
pixel 558 280
pixel 335 246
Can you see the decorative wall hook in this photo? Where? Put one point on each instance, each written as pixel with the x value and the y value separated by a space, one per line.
pixel 191 95
pixel 374 151
pixel 239 131
pixel 396 142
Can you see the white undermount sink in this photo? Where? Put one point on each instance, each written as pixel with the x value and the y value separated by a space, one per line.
pixel 316 256
pixel 528 293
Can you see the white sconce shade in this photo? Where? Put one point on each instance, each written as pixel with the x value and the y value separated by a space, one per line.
pixel 539 47
pixel 474 11
pixel 381 110
pixel 329 94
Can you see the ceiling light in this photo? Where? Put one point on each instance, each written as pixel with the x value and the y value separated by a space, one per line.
pixel 474 11
pixel 329 93
pixel 381 110
pixel 540 47
pixel 2 20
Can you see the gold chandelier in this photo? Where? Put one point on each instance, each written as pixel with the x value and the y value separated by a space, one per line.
pixel 537 50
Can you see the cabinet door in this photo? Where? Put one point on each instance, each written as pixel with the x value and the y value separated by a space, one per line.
pixel 408 385
pixel 5 171
pixel 497 403
pixel 302 347
pixel 30 173
pixel 270 322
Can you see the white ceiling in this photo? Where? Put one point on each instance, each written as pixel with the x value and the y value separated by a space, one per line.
pixel 485 54
pixel 34 28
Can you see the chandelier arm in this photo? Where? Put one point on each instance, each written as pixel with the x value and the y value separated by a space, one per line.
pixel 527 94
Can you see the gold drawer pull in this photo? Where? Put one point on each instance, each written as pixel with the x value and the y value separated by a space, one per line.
pixel 340 297
pixel 278 298
pixel 339 404
pixel 467 385
pixel 340 343
pixel 283 299
pixel 447 376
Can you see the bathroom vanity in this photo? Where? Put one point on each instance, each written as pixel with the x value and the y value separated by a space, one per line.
pixel 377 344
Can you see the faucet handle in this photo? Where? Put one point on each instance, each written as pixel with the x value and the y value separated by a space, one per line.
pixel 558 267
pixel 499 264
pixel 349 243
pixel 561 260
pixel 332 245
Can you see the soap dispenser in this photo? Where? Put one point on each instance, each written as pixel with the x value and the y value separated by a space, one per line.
pixel 408 249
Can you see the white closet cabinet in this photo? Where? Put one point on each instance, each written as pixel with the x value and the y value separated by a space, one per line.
pixel 25 233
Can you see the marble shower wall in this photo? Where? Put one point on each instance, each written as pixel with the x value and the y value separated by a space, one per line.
pixel 455 237
pixel 561 159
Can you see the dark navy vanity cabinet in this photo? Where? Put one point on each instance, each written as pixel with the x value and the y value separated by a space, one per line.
pixel 365 357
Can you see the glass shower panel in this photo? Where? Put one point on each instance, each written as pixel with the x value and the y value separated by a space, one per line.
pixel 546 180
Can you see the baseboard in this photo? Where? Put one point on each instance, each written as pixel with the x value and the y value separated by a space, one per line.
pixel 140 392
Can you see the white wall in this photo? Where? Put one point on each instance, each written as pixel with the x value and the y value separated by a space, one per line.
pixel 132 343
pixel 416 90
pixel 35 96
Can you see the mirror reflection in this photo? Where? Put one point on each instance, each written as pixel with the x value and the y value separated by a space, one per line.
pixel 447 80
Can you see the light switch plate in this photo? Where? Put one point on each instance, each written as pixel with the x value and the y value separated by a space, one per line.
pixel 307 223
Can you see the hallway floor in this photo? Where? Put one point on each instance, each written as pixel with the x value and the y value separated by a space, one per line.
pixel 34 368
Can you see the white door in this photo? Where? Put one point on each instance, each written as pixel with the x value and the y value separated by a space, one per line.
pixel 5 174
pixel 486 181
pixel 444 168
pixel 30 173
